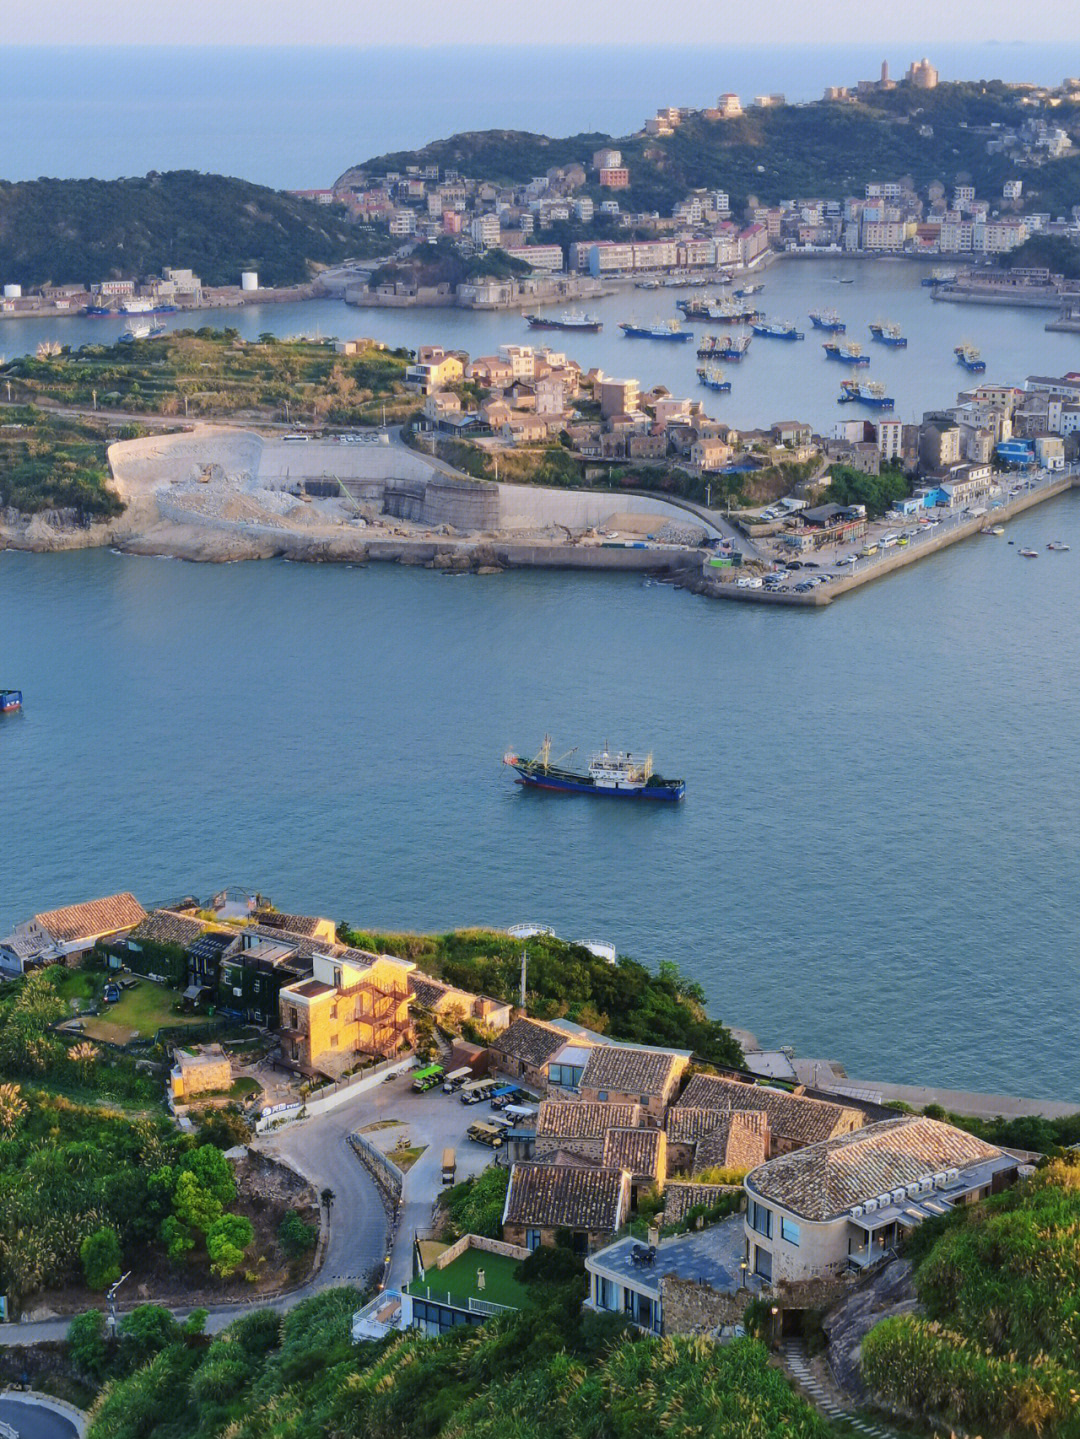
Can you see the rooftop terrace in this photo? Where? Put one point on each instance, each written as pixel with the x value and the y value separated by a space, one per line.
pixel 456 1284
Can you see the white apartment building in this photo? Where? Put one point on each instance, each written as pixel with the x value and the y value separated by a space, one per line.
pixel 486 230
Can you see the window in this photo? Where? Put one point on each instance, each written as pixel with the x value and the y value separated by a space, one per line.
pixel 532 1239
pixel 605 1293
pixel 333 1011
pixel 760 1219
pixel 294 1021
pixel 762 1263
pixel 333 1041
pixel 644 1101
pixel 789 1231
pixel 602 1096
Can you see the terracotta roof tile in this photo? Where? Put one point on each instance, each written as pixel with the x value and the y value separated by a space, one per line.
pixel 545 1196
pixel 568 1119
pixel 629 1071
pixel 791 1117
pixel 530 1040
pixel 687 1125
pixel 638 1150
pixel 162 926
pixel 96 917
pixel 740 1141
pixel 826 1179
pixel 304 925
pixel 426 991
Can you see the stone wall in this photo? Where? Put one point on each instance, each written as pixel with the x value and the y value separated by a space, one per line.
pixel 692 1308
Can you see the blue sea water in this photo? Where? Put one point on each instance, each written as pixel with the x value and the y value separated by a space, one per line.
pixel 297 117
pixel 877 857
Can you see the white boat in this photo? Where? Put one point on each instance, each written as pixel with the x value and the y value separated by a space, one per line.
pixel 1058 545
pixel 138 331
pixel 1030 554
pixel 136 307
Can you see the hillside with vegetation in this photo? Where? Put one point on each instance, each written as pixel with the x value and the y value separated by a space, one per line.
pixel 767 155
pixel 626 1000
pixel 79 231
pixel 550 1371
pixel 996 1349
pixel 214 373
pixel 52 462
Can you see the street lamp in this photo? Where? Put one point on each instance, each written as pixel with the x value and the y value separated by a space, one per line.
pixel 743 1267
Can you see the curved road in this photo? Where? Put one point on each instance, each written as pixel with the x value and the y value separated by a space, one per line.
pixel 34 1420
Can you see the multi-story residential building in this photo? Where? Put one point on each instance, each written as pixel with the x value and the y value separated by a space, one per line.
pixel 549 258
pixel 890 439
pixel 353 1003
pixel 610 257
pixel 606 159
pixel 883 235
pixel 618 397
pixel 939 442
pixel 729 107
pixel 615 177
pixel 402 223
pixel 486 230
pixel 583 209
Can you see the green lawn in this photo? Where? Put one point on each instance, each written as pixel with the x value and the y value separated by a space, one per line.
pixel 458 1280
pixel 147 1007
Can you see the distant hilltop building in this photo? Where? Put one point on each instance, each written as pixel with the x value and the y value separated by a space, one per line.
pixel 922 75
pixel 729 107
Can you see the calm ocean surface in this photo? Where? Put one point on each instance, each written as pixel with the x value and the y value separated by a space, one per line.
pixel 877 859
pixel 297 117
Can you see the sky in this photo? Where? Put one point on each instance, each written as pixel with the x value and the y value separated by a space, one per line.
pixel 432 22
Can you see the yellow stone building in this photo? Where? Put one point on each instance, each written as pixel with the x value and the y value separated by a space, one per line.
pixel 354 1003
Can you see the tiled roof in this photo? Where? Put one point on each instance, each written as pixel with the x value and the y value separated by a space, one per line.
pixel 96 916
pixel 687 1125
pixel 791 1116
pixel 567 1119
pixel 628 1071
pixel 210 946
pixel 530 1040
pixel 740 1141
pixel 559 1196
pixel 162 926
pixel 566 1156
pixel 635 1149
pixel 426 991
pixel 824 1180
pixel 305 925
pixel 27 946
pixel 679 1199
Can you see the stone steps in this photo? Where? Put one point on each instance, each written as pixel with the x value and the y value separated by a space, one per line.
pixel 799 1367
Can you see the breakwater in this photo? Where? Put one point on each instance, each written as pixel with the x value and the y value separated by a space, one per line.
pixel 898 559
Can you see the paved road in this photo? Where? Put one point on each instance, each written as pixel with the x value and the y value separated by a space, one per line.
pixel 318 1148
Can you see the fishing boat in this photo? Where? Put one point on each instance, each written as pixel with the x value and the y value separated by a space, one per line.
pixel 10 700
pixel 140 330
pixel 724 347
pixel 970 358
pixel 887 333
pixel 747 290
pixel 661 330
pixel 568 320
pixel 96 311
pixel 829 321
pixel 618 775
pixel 776 330
pixel 712 377
pixel 865 392
pixel 849 352
pixel 698 308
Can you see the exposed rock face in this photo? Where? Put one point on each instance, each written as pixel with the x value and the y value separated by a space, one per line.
pixel 890 1291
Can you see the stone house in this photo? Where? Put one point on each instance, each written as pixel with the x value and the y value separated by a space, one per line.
pixel 354 1003
pixel 793 1120
pixel 69 933
pixel 616 1074
pixel 441 999
pixel 303 926
pixel 592 1203
pixel 203 1071
pixel 577 1128
pixel 523 1050
pixel 643 1152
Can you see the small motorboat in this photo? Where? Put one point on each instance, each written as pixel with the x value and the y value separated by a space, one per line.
pixel 1057 545
pixel 1030 554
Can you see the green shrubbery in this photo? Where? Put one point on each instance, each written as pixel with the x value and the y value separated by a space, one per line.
pixel 626 999
pixel 476 1206
pixel 551 1371
pixel 999 1345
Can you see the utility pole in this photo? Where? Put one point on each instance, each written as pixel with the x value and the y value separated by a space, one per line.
pixel 524 971
pixel 110 1299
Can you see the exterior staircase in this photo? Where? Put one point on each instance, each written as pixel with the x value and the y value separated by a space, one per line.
pixel 825 1397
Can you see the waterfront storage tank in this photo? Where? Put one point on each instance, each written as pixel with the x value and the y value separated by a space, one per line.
pixel 12 292
pixel 249 280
